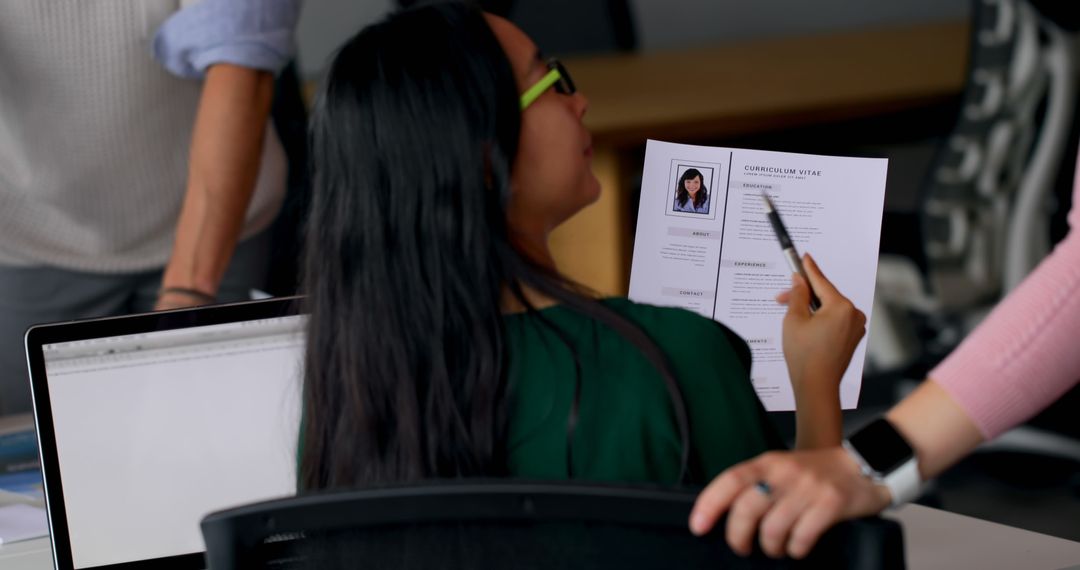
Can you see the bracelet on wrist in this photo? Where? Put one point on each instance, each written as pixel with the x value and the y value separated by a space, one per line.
pixel 202 297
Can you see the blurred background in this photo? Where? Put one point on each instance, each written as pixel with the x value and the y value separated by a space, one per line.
pixel 971 101
pixel 657 24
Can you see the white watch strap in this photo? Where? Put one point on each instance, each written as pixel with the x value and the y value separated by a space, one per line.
pixel 904 482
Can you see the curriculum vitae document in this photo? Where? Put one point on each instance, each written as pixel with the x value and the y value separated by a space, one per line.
pixel 704 243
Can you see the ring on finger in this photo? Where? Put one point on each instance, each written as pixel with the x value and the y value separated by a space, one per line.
pixel 763 488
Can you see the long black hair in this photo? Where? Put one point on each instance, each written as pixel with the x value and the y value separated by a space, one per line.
pixel 681 195
pixel 409 254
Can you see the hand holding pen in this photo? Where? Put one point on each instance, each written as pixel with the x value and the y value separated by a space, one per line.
pixel 790 254
pixel 817 349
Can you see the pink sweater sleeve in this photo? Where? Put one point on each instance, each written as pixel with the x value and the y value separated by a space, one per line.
pixel 1026 354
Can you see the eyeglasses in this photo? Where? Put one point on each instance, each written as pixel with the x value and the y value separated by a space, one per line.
pixel 557 76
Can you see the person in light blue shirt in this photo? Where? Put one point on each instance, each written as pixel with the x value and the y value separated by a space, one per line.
pixel 254 34
pixel 691 193
pixel 235 47
pixel 149 175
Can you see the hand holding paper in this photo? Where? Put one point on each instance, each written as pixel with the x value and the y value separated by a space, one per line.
pixel 721 259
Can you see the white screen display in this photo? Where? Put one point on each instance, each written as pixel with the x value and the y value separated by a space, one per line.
pixel 156 430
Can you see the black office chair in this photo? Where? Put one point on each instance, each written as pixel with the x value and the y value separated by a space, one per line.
pixel 506 524
pixel 987 208
pixel 985 221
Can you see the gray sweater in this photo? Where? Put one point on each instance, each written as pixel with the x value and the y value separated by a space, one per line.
pixel 95 135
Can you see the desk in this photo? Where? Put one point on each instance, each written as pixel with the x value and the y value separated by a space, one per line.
pixel 738 89
pixel 936 540
pixel 26 555
pixel 933 540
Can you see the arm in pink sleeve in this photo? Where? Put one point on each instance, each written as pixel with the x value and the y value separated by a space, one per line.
pixel 1026 354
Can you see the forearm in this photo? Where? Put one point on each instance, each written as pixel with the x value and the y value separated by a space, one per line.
pixel 936 427
pixel 1023 356
pixel 226 149
pixel 818 348
pixel 818 422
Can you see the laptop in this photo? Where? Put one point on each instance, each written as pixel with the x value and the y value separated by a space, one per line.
pixel 146 423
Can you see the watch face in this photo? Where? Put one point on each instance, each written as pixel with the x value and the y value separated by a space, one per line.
pixel 880 446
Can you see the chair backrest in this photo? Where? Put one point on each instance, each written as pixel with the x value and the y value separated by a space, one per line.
pixel 985 217
pixel 507 524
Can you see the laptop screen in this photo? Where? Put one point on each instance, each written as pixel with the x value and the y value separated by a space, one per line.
pixel 157 429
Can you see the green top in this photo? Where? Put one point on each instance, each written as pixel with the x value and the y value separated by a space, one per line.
pixel 626 429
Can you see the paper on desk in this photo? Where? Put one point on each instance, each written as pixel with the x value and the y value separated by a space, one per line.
pixel 22 522
pixel 724 261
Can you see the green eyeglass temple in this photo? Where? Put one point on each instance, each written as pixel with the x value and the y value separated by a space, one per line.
pixel 534 92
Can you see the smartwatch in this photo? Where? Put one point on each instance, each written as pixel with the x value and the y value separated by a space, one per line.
pixel 885 456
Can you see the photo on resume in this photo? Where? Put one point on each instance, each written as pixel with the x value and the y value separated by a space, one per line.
pixel 692 186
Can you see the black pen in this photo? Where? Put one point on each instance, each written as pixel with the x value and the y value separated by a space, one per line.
pixel 792 256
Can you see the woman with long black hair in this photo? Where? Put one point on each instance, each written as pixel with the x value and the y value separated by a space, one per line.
pixel 691 193
pixel 442 341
